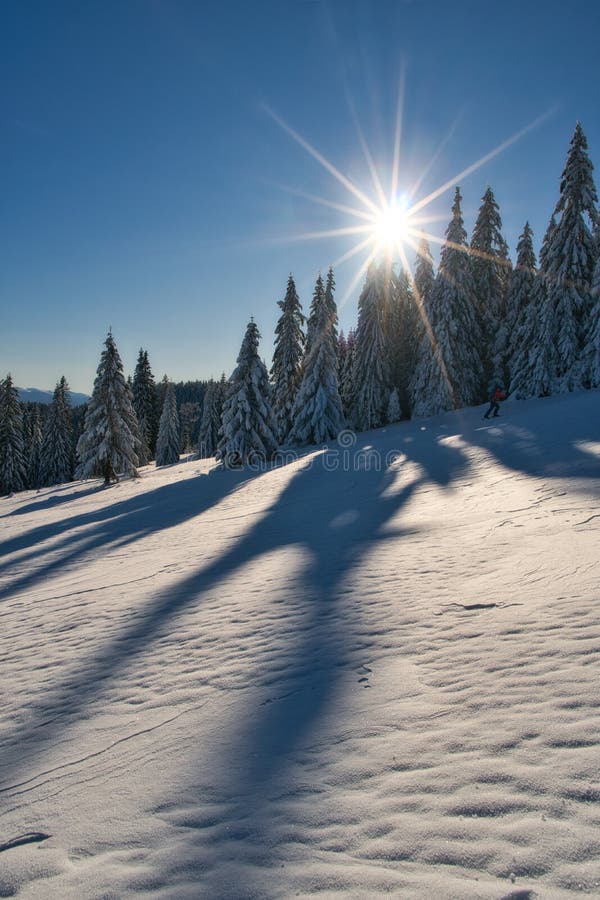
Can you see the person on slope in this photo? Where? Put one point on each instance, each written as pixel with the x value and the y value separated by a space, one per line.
pixel 496 396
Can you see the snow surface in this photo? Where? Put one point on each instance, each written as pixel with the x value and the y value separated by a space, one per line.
pixel 341 683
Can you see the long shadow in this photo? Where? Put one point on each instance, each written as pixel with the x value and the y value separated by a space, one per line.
pixel 51 499
pixel 543 438
pixel 300 517
pixel 335 519
pixel 117 524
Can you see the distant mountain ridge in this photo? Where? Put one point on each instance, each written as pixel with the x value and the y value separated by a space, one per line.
pixel 35 395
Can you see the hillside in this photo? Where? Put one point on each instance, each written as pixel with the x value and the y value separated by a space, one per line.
pixel 321 679
pixel 35 395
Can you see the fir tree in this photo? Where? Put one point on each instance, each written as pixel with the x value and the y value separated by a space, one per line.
pixel 317 415
pixel 145 406
pixel 570 264
pixel 424 283
pixel 372 363
pixel 534 365
pixel 491 267
pixel 407 328
pixel 34 455
pixel 346 375
pixel 286 371
pixel 449 373
pixel 518 303
pixel 13 474
pixel 591 349
pixel 110 438
pixel 168 442
pixel 315 315
pixel 342 351
pixel 208 438
pixel 248 430
pixel 394 413
pixel 57 441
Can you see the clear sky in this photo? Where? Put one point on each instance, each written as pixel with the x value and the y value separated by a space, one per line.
pixel 142 176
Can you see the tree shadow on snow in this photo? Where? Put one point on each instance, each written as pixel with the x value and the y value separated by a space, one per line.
pixel 334 518
pixel 545 438
pixel 335 528
pixel 118 524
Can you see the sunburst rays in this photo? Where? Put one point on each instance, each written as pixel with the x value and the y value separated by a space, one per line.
pixel 385 223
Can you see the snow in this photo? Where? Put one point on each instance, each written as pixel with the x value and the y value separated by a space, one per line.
pixel 315 679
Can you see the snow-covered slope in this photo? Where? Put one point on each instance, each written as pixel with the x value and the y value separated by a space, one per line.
pixel 321 679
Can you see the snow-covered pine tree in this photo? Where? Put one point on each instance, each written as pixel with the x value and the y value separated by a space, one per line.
pixel 57 440
pixel 169 437
pixel 34 455
pixel 449 374
pixel 423 285
pixel 145 404
pixel 110 438
pixel 590 356
pixel 518 302
pixel 491 268
pixel 248 431
pixel 405 338
pixel 346 376
pixel 13 471
pixel 423 282
pixel 372 362
pixel 394 413
pixel 317 415
pixel 533 368
pixel 331 313
pixel 570 264
pixel 208 438
pixel 314 314
pixel 342 350
pixel 286 371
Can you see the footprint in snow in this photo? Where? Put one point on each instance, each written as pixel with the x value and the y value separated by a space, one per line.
pixel 364 672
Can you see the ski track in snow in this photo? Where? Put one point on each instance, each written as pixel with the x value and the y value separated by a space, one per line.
pixel 311 682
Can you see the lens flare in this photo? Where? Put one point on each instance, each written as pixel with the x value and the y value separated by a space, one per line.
pixel 392 225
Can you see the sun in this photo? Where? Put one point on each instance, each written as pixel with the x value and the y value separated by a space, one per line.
pixel 385 222
pixel 391 225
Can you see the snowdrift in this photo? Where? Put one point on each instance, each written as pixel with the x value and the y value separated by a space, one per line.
pixel 371 671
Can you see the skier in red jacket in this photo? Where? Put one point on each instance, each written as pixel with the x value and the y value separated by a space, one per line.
pixel 496 396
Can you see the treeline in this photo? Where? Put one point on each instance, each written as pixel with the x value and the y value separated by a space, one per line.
pixel 424 343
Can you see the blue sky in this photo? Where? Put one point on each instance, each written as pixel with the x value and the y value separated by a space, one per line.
pixel 142 174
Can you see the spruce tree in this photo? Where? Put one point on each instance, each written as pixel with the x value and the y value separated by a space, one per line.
pixel 342 351
pixel 13 471
pixel 34 454
pixel 286 371
pixel 145 405
pixel 570 263
pixel 317 415
pixel 208 438
pixel 449 373
pixel 533 368
pixel 424 283
pixel 518 303
pixel 110 439
pixel 591 349
pixel 407 328
pixel 394 413
pixel 491 267
pixel 372 363
pixel 346 375
pixel 169 437
pixel 248 430
pixel 57 440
